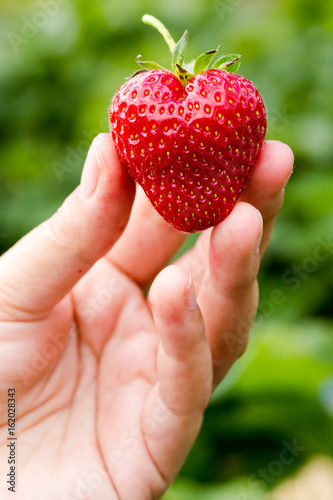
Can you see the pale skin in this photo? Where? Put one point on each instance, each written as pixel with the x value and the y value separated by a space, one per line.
pixel 111 384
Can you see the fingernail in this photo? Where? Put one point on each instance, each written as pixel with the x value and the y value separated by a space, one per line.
pixel 189 295
pixel 256 248
pixel 91 171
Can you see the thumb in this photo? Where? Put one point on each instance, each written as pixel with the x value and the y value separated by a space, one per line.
pixel 43 266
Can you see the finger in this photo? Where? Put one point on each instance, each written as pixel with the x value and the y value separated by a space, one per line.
pixel 228 295
pixel 265 192
pixel 44 265
pixel 147 244
pixel 266 188
pixel 183 366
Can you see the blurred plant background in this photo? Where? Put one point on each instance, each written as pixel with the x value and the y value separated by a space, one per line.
pixel 61 62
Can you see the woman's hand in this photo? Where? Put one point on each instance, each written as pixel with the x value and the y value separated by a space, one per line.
pixel 111 386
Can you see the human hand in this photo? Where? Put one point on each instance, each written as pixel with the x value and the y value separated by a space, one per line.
pixel 111 387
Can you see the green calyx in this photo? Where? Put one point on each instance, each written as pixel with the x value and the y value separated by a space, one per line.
pixel 185 71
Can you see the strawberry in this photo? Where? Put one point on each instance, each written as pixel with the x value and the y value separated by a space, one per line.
pixel 190 137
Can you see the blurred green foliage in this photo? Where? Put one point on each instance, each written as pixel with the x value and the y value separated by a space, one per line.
pixel 61 62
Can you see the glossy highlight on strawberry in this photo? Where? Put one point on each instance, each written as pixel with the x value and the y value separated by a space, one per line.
pixel 191 142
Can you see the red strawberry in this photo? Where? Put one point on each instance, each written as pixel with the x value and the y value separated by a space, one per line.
pixel 189 138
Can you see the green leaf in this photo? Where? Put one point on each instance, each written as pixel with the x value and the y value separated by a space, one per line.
pixel 148 64
pixel 136 73
pixel 189 66
pixel 203 61
pixel 178 53
pixel 233 68
pixel 229 62
pixel 183 75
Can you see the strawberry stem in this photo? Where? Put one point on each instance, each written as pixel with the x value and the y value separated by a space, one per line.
pixel 178 53
pixel 183 75
pixel 155 23
pixel 186 71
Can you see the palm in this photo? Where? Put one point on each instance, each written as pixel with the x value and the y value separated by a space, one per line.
pixel 86 399
pixel 89 404
pixel 105 379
